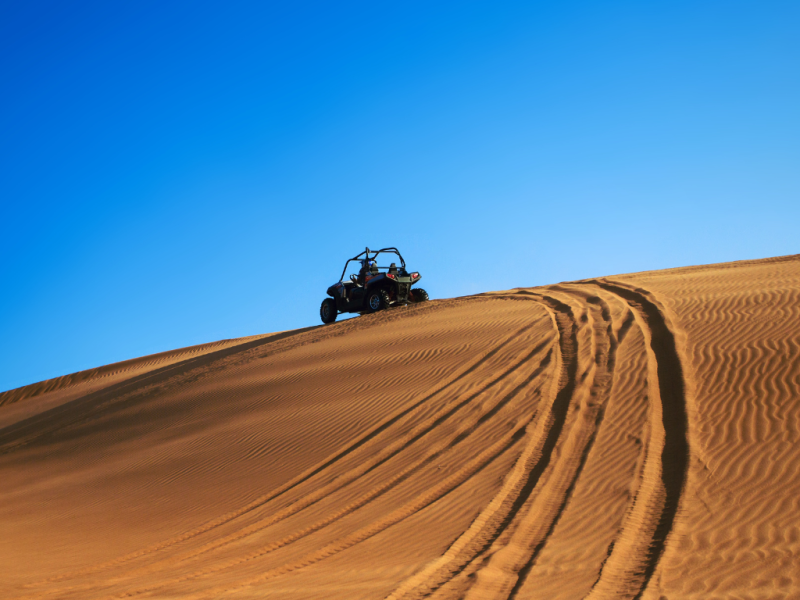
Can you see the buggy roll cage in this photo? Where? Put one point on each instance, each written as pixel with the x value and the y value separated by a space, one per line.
pixel 366 255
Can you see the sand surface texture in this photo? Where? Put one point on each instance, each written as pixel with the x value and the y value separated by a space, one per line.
pixel 629 436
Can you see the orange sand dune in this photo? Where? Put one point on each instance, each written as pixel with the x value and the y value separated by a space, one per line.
pixel 629 436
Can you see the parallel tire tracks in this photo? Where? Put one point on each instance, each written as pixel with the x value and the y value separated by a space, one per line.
pixel 501 546
pixel 641 543
pixel 521 481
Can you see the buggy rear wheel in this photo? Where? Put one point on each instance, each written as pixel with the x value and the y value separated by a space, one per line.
pixel 418 295
pixel 376 300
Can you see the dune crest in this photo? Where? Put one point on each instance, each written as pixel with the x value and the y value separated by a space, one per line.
pixel 633 436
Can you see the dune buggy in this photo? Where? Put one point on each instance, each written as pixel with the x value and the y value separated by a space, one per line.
pixel 367 287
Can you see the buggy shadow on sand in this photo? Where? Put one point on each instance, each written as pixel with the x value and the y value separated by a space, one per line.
pixel 373 287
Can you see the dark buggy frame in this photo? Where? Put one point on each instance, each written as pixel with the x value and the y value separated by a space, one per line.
pixel 372 290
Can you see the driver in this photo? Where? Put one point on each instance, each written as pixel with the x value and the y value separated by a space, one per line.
pixel 362 274
pixel 359 280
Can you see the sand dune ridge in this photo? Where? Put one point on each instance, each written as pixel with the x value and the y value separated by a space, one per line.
pixel 633 436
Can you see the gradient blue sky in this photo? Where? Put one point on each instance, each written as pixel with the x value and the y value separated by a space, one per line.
pixel 173 173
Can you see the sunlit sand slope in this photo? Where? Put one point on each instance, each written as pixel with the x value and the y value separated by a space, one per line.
pixel 629 436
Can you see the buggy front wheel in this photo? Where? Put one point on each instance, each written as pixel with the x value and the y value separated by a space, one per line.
pixel 328 312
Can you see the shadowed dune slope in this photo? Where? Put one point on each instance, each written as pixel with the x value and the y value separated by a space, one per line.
pixel 633 436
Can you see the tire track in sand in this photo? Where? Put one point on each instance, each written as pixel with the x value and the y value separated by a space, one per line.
pixel 578 415
pixel 592 411
pixel 637 550
pixel 542 433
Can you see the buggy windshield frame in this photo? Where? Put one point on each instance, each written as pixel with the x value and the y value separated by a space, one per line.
pixel 368 255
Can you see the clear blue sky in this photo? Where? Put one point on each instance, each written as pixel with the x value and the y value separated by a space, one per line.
pixel 173 173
